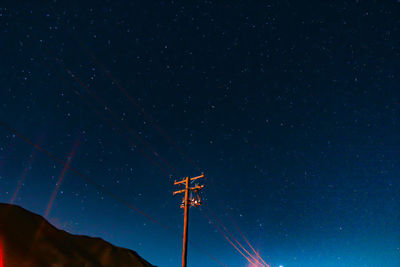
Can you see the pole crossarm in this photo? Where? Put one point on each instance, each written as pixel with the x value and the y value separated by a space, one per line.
pixel 196 188
pixel 191 179
pixel 178 192
pixel 197 177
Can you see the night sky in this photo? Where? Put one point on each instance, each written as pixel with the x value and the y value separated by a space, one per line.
pixel 290 108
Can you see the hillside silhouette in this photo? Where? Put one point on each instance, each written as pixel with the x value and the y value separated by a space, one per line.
pixel 28 240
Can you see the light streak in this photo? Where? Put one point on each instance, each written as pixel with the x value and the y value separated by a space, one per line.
pixel 1 253
pixel 236 226
pixel 25 172
pixel 61 178
pixel 227 238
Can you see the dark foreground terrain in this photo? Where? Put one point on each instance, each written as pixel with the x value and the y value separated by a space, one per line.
pixel 27 239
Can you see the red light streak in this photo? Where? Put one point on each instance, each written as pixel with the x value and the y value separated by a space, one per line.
pixel 227 231
pixel 25 172
pixel 61 178
pixel 1 253
pixel 237 227
pixel 248 243
pixel 227 238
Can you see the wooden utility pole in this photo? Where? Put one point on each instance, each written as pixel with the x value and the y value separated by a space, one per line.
pixel 188 201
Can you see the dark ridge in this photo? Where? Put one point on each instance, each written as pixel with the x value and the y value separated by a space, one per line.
pixel 28 240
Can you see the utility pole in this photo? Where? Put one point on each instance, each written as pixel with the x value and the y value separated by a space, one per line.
pixel 188 201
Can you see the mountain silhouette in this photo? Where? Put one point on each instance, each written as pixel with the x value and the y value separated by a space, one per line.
pixel 28 240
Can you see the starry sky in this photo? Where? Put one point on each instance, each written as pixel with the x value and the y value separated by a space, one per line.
pixel 290 108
